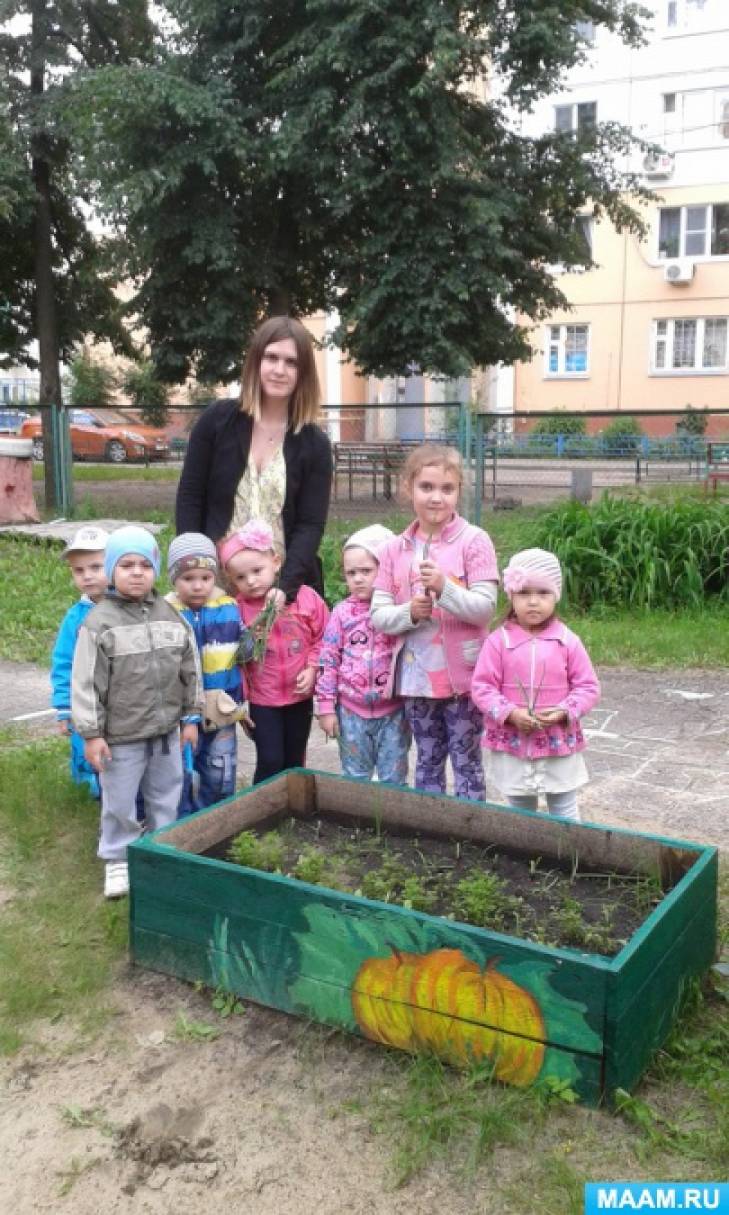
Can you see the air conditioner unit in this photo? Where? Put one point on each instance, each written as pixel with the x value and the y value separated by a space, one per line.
pixel 678 272
pixel 659 164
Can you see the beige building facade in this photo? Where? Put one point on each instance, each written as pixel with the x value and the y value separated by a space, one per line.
pixel 648 326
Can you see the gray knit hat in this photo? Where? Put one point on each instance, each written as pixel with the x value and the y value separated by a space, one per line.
pixel 191 551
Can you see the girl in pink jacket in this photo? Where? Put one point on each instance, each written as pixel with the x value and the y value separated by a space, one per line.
pixel 434 594
pixel 533 682
pixel 354 670
pixel 281 684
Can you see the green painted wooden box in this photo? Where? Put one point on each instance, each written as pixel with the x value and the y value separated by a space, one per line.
pixel 418 981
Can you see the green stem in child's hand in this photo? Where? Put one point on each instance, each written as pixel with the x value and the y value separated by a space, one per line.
pixel 261 628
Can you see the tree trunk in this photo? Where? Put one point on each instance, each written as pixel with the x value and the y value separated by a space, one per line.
pixel 45 297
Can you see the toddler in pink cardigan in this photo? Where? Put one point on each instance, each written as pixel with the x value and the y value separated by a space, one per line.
pixel 353 705
pixel 281 682
pixel 533 682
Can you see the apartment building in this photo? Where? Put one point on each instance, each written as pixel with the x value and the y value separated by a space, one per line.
pixel 648 327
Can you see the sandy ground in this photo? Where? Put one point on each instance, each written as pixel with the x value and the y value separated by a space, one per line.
pixel 256 1121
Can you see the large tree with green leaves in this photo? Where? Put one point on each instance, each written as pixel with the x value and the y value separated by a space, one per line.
pixel 320 154
pixel 56 277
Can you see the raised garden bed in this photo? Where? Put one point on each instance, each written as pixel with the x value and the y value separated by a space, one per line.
pixel 539 1012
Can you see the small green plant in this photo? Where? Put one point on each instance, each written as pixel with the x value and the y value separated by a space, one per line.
pixel 78 1118
pixel 311 867
pixel 74 1172
pixel 415 894
pixel 258 852
pixel 481 899
pixel 227 1003
pixel 188 1030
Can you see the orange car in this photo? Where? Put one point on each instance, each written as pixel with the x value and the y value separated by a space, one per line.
pixel 111 437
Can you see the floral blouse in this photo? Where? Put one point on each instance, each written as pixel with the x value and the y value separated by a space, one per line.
pixel 261 495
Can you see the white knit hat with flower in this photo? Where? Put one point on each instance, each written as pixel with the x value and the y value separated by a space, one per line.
pixel 372 539
pixel 533 567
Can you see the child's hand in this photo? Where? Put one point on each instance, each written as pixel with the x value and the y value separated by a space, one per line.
pixel 523 721
pixel 329 724
pixel 278 596
pixel 431 577
pixel 97 753
pixel 64 726
pixel 305 681
pixel 188 734
pixel 421 608
pixel 552 717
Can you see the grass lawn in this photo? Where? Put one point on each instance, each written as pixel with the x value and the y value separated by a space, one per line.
pixel 61 945
pixel 117 472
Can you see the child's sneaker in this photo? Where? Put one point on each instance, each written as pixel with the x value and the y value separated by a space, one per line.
pixel 116 880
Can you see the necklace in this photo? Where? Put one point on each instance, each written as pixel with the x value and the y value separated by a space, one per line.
pixel 272 434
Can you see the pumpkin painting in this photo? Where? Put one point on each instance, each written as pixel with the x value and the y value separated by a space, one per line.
pixel 444 1003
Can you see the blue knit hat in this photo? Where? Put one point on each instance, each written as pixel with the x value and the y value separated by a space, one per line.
pixel 131 539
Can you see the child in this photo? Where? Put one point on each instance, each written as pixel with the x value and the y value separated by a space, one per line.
pixel 435 592
pixel 136 677
pixel 354 662
pixel 281 684
pixel 533 683
pixel 192 564
pixel 85 557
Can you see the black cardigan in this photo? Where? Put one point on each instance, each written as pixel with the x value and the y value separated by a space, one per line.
pixel 216 458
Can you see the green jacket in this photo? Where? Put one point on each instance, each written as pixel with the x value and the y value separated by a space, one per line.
pixel 136 670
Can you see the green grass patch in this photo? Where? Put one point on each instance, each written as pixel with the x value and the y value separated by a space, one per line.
pixel 116 472
pixel 59 939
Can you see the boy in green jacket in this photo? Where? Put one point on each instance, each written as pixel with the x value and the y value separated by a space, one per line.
pixel 136 698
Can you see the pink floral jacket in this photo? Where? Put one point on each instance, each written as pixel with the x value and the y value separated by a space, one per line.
pixel 466 555
pixel 293 644
pixel 550 669
pixel 354 663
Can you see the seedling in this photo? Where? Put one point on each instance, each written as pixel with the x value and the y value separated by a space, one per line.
pixel 226 1003
pixel 258 852
pixel 194 1031
pixel 311 867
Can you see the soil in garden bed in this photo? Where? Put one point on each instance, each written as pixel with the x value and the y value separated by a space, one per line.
pixel 536 898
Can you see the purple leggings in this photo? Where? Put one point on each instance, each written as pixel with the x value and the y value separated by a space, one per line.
pixel 443 728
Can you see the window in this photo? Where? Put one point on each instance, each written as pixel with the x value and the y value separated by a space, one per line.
pixel 669 103
pixel 583 224
pixel 722 105
pixel 579 117
pixel 694 15
pixel 568 350
pixel 694 231
pixel 690 344
pixel 585 31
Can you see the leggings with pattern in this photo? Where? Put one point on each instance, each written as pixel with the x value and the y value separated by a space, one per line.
pixel 442 729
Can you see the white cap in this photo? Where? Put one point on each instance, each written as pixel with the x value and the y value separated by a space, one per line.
pixel 372 539
pixel 88 539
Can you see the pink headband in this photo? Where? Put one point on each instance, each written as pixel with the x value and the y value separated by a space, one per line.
pixel 256 535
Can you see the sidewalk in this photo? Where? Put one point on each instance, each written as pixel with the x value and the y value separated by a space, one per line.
pixel 658 747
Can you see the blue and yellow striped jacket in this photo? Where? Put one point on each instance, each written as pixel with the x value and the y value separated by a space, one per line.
pixel 217 627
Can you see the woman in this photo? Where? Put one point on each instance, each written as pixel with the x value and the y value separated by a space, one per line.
pixel 264 457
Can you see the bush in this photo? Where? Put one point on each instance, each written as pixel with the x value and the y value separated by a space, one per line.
pixel 640 554
pixel 693 422
pixel 561 424
pixel 621 437
pixel 91 384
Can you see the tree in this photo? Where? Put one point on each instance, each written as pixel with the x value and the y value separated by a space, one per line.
pixel 621 437
pixel 54 275
pixel 92 384
pixel 148 393
pixel 336 154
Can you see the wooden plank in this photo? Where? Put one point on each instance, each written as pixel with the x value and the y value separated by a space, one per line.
pixel 632 1037
pixel 325 932
pixel 190 961
pixel 591 844
pixel 301 785
pixel 655 938
pixel 201 831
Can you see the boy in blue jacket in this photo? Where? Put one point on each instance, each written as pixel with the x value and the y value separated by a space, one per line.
pixel 213 616
pixel 85 558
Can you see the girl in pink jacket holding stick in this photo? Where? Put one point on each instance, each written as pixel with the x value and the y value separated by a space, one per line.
pixel 434 594
pixel 533 682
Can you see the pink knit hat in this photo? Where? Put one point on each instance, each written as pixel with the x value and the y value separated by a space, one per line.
pixel 533 567
pixel 255 535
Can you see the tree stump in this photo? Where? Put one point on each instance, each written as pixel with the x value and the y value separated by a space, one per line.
pixel 17 504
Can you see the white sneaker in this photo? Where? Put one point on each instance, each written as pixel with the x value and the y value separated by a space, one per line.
pixel 116 880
